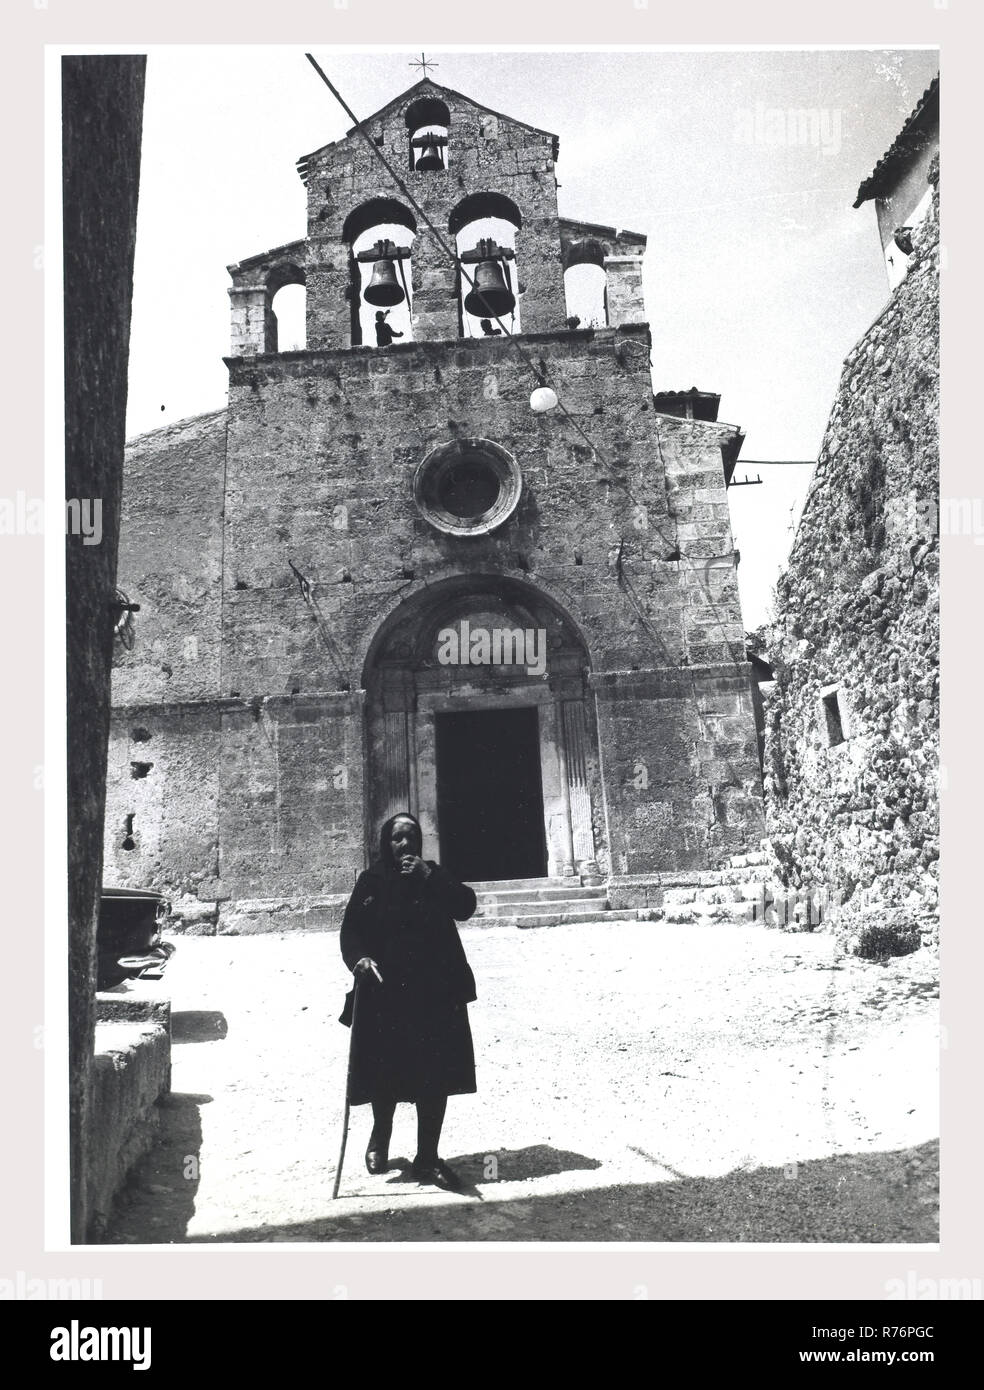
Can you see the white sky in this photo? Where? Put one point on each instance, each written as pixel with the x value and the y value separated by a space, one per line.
pixel 759 275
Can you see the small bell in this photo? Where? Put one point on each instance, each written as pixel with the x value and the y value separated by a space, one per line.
pixel 490 295
pixel 383 289
pixel 429 160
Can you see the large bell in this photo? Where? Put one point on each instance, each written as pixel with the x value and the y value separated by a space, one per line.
pixel 383 290
pixel 429 159
pixel 490 297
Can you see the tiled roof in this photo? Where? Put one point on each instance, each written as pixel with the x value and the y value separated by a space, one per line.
pixel 704 402
pixel 912 137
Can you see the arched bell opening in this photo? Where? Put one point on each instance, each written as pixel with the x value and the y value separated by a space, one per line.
pixel 428 126
pixel 288 307
pixel 586 292
pixel 485 227
pixel 478 722
pixel 257 326
pixel 586 282
pixel 380 236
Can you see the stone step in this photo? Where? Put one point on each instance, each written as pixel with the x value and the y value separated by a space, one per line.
pixel 526 906
pixel 555 917
pixel 755 892
pixel 706 914
pixel 514 895
pixel 711 878
pixel 501 885
pixel 721 893
pixel 678 897
pixel 751 860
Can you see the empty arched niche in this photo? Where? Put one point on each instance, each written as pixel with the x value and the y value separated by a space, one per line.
pixel 484 217
pixel 380 220
pixel 428 124
pixel 586 283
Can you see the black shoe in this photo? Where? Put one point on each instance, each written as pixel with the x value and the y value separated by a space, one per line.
pixel 377 1158
pixel 435 1173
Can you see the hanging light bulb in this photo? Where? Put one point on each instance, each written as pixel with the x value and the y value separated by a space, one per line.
pixel 543 398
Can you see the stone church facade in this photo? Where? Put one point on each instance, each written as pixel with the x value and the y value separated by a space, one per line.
pixel 380 578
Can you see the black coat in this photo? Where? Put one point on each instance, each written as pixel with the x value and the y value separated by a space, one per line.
pixel 411 1031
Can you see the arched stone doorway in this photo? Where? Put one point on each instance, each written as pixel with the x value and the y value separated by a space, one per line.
pixel 477 720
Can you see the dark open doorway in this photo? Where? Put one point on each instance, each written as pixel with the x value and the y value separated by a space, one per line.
pixel 490 794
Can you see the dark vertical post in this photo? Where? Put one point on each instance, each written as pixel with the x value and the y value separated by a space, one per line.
pixel 102 113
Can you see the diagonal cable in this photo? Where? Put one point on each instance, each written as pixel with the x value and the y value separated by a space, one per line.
pixel 537 374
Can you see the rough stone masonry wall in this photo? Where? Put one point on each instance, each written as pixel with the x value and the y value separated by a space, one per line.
pixel 859 606
pixel 171 562
pixel 162 767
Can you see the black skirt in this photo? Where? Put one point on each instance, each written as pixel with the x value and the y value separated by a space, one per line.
pixel 409 1044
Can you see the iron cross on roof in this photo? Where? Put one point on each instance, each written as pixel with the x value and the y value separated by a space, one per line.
pixel 423 63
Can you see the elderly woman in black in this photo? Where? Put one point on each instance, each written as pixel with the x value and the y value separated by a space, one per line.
pixel 412 1041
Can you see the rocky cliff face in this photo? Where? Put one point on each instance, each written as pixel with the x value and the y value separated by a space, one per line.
pixel 852 723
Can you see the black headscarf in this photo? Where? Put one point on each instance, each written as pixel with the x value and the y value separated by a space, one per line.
pixel 385 854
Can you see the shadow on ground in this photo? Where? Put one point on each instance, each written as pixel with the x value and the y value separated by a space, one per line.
pixel 198 1025
pixel 159 1199
pixel 514 1165
pixel 876 1198
pixel 480 1172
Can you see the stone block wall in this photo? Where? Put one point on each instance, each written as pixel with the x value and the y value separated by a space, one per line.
pixel 682 784
pixel 256 788
pixel 171 561
pixel 322 453
pixel 163 792
pixel 853 808
pixel 132 1071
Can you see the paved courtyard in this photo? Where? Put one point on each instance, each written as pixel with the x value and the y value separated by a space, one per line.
pixel 637 1082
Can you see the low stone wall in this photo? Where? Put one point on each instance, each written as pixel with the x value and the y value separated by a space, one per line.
pixel 250 916
pixel 131 1070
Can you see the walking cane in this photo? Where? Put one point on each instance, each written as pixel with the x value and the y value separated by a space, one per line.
pixel 348 1079
pixel 348 1084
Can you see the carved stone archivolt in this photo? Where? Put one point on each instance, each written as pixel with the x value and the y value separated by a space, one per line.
pixel 406 696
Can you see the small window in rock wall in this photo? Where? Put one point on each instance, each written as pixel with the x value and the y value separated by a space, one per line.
pixel 835 722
